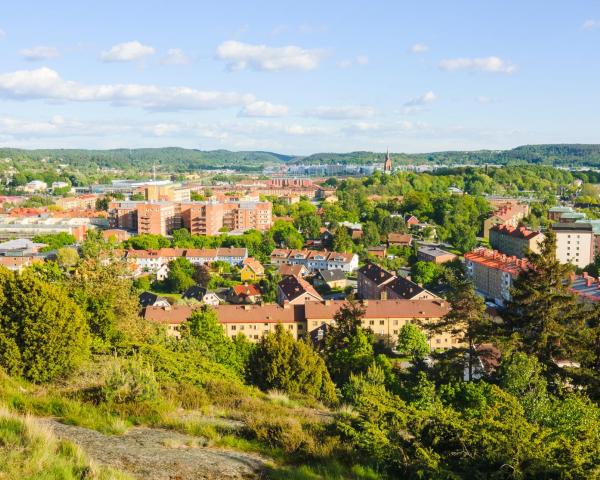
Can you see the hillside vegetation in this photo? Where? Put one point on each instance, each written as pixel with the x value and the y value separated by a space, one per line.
pixel 182 160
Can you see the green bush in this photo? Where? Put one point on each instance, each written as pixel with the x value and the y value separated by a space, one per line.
pixel 130 380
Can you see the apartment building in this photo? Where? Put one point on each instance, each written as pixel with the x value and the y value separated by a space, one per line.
pixel 211 218
pixel 161 191
pixel 574 243
pixel 517 241
pixel 159 218
pixel 82 202
pixel 508 214
pixel 315 259
pixel 123 215
pixel 384 318
pixel 493 273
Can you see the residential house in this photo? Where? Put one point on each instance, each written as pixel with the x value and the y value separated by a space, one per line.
pixel 330 278
pixel 149 299
pixel 399 239
pixel 377 252
pixel 516 241
pixel 315 259
pixel 293 270
pixel 19 263
pixel 195 292
pixel 429 253
pixel 252 271
pixel 405 289
pixel 371 280
pixel 215 297
pixel 243 294
pixel 20 247
pixel 295 291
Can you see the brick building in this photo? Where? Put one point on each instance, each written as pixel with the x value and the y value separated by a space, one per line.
pixel 515 240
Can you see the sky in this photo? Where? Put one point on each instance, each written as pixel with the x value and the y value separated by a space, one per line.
pixel 299 77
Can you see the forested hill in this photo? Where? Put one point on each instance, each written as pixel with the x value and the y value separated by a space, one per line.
pixel 554 154
pixel 182 159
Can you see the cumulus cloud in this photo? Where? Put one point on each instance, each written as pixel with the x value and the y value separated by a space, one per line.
pixel 242 56
pixel 484 64
pixel 175 56
pixel 45 83
pixel 40 52
pixel 127 52
pixel 418 104
pixel 419 48
pixel 263 109
pixel 591 24
pixel 341 113
pixel 358 60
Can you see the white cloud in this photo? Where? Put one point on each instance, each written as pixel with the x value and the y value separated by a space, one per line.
pixel 175 56
pixel 591 24
pixel 485 64
pixel 127 52
pixel 358 60
pixel 418 104
pixel 483 99
pixel 45 83
pixel 419 48
pixel 242 56
pixel 40 52
pixel 263 109
pixel 341 113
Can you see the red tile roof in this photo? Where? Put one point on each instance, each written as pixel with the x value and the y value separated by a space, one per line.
pixel 496 260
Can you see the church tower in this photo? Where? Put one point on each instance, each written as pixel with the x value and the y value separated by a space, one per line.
pixel 387 166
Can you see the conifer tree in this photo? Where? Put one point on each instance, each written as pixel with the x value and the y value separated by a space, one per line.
pixel 543 316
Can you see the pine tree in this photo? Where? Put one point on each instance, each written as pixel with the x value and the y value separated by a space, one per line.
pixel 544 317
pixel 465 322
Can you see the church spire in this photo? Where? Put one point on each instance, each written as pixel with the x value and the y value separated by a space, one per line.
pixel 387 166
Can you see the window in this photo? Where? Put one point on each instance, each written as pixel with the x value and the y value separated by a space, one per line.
pixel 381 322
pixel 395 332
pixel 395 322
pixel 371 322
pixel 437 340
pixel 233 327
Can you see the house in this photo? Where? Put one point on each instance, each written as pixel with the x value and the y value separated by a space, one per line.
pixel 215 298
pixel 19 263
pixel 241 294
pixel 411 220
pixel 516 241
pixel 315 259
pixel 400 239
pixel 293 270
pixel 330 278
pixel 195 292
pixel 149 299
pixel 428 253
pixel 377 252
pixel 115 234
pixel 252 271
pixel 371 280
pixel 296 291
pixel 405 289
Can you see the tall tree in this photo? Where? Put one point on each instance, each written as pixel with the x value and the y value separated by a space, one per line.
pixel 466 322
pixel 543 316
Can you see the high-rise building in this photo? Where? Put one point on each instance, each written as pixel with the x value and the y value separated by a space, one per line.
pixel 159 218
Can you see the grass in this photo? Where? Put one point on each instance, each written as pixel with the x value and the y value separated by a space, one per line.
pixel 30 451
pixel 326 471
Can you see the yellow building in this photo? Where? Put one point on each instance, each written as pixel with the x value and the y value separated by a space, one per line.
pixel 252 271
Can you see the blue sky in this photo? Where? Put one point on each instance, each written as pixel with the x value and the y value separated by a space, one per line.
pixel 299 77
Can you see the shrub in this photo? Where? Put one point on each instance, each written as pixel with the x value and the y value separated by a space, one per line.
pixel 130 380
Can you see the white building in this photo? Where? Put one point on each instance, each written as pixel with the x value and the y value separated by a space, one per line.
pixel 35 186
pixel 315 259
pixel 574 243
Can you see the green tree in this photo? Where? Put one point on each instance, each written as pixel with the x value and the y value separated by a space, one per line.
pixel 342 241
pixel 180 276
pixel 308 224
pixel 543 317
pixel 371 236
pixel 412 342
pixel 426 273
pixel 43 332
pixel 67 257
pixel 280 362
pixel 55 241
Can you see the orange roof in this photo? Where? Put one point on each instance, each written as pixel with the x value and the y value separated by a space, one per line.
pixel 247 290
pixel 382 308
pixel 254 265
pixel 519 232
pixel 496 260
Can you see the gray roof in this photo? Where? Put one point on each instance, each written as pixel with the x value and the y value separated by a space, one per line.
pixel 20 244
pixel 331 275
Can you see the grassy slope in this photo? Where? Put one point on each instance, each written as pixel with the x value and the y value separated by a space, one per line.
pixel 29 451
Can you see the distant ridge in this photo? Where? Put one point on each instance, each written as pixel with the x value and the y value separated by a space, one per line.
pixel 182 159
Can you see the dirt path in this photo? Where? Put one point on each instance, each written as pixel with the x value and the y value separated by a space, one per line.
pixel 155 454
